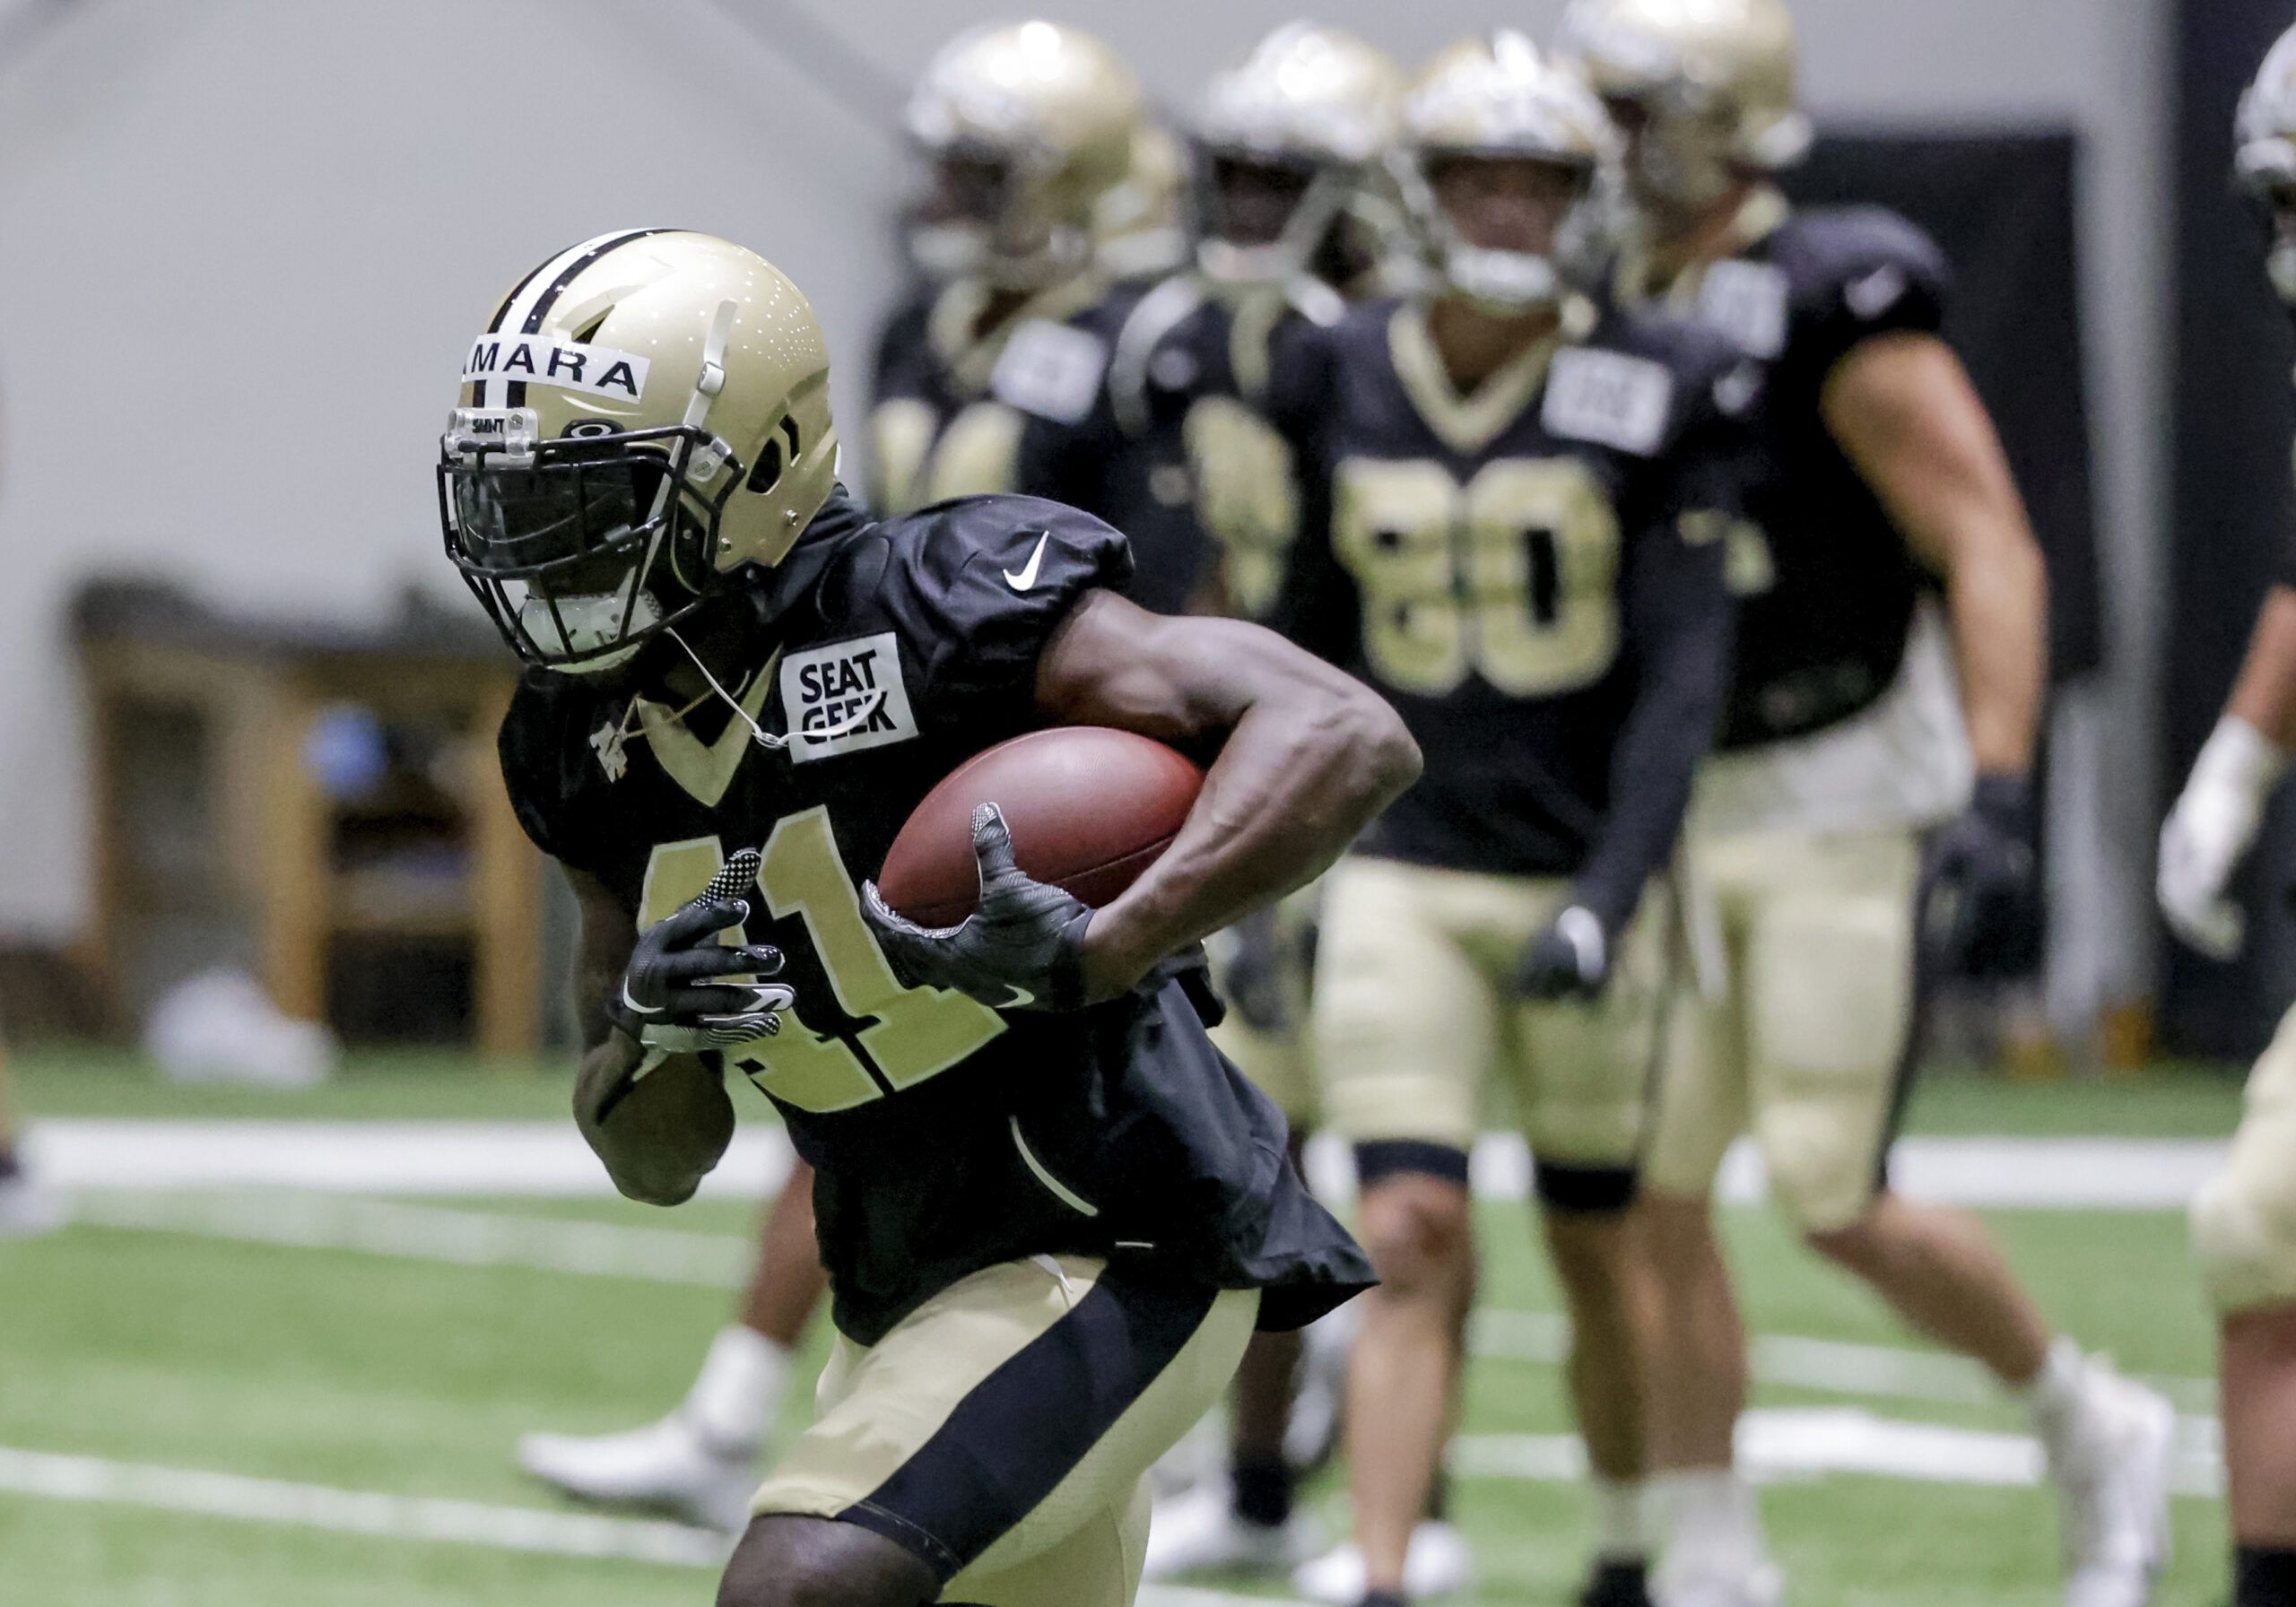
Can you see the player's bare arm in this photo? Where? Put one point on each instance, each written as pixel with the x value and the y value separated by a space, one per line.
pixel 1904 412
pixel 1307 756
pixel 659 1136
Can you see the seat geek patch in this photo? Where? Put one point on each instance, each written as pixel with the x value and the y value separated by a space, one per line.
pixel 846 698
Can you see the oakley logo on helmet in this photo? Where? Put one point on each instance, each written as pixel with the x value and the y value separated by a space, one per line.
pixel 568 365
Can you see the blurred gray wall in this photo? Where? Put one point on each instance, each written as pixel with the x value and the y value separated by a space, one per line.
pixel 243 241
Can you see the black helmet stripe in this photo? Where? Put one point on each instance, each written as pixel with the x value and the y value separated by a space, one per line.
pixel 478 391
pixel 582 256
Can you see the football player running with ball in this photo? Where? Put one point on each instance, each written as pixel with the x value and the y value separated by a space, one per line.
pixel 1032 138
pixel 1885 548
pixel 1518 513
pixel 740 686
pixel 2244 1223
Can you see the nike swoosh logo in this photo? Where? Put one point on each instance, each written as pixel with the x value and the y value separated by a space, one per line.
pixel 1021 997
pixel 1027 576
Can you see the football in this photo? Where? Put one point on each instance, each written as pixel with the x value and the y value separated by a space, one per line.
pixel 1089 808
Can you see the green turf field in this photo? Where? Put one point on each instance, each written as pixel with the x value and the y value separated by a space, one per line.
pixel 316 1370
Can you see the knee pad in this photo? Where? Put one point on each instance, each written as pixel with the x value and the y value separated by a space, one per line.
pixel 2244 1236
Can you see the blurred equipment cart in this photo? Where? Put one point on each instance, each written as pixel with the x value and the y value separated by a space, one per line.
pixel 318 804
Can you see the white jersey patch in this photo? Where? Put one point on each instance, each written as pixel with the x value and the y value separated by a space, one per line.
pixel 846 698
pixel 570 365
pixel 1904 762
pixel 1609 398
pixel 1051 370
pixel 1746 303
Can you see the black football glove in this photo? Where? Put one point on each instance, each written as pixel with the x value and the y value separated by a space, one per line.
pixel 1570 958
pixel 1980 916
pixel 678 995
pixel 1023 948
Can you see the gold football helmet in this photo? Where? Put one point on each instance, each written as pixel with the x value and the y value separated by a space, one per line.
pixel 646 414
pixel 1141 224
pixel 2264 158
pixel 1297 131
pixel 1029 127
pixel 1496 98
pixel 1710 82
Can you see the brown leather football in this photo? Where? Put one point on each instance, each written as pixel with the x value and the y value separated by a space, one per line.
pixel 1089 808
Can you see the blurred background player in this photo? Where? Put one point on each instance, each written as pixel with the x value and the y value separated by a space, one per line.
pixel 2244 1221
pixel 1038 148
pixel 1518 539
pixel 1288 148
pixel 25 1208
pixel 1885 546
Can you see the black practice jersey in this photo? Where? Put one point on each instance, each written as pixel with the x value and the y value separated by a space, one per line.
pixel 1209 387
pixel 948 1136
pixel 1534 576
pixel 1827 585
pixel 1027 410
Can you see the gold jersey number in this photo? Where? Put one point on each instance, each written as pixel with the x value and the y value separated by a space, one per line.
pixel 1512 575
pixel 913 1033
pixel 1246 498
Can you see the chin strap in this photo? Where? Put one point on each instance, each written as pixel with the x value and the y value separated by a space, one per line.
pixel 766 739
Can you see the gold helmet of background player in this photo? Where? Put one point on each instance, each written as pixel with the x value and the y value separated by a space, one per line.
pixel 1029 126
pixel 1497 97
pixel 1711 81
pixel 1142 224
pixel 1310 112
pixel 2264 157
pixel 645 413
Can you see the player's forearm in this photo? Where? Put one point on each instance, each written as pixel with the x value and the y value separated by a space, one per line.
pixel 651 1160
pixel 2264 698
pixel 1997 592
pixel 1300 777
pixel 1683 621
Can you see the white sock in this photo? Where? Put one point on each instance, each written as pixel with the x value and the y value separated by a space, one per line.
pixel 1710 1513
pixel 1622 1520
pixel 732 1402
pixel 2056 1389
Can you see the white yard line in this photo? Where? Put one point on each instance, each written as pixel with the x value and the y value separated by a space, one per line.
pixel 1779 1446
pixel 549 1159
pixel 94 1481
pixel 464 1238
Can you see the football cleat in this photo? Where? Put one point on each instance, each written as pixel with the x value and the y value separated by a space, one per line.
pixel 1440 1563
pixel 1705 87
pixel 1200 1533
pixel 2110 1453
pixel 665 1467
pixel 1496 98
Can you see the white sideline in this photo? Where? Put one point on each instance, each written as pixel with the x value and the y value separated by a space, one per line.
pixel 722 1260
pixel 43 1475
pixel 535 1158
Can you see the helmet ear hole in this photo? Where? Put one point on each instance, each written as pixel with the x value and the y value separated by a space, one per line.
pixel 775 458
